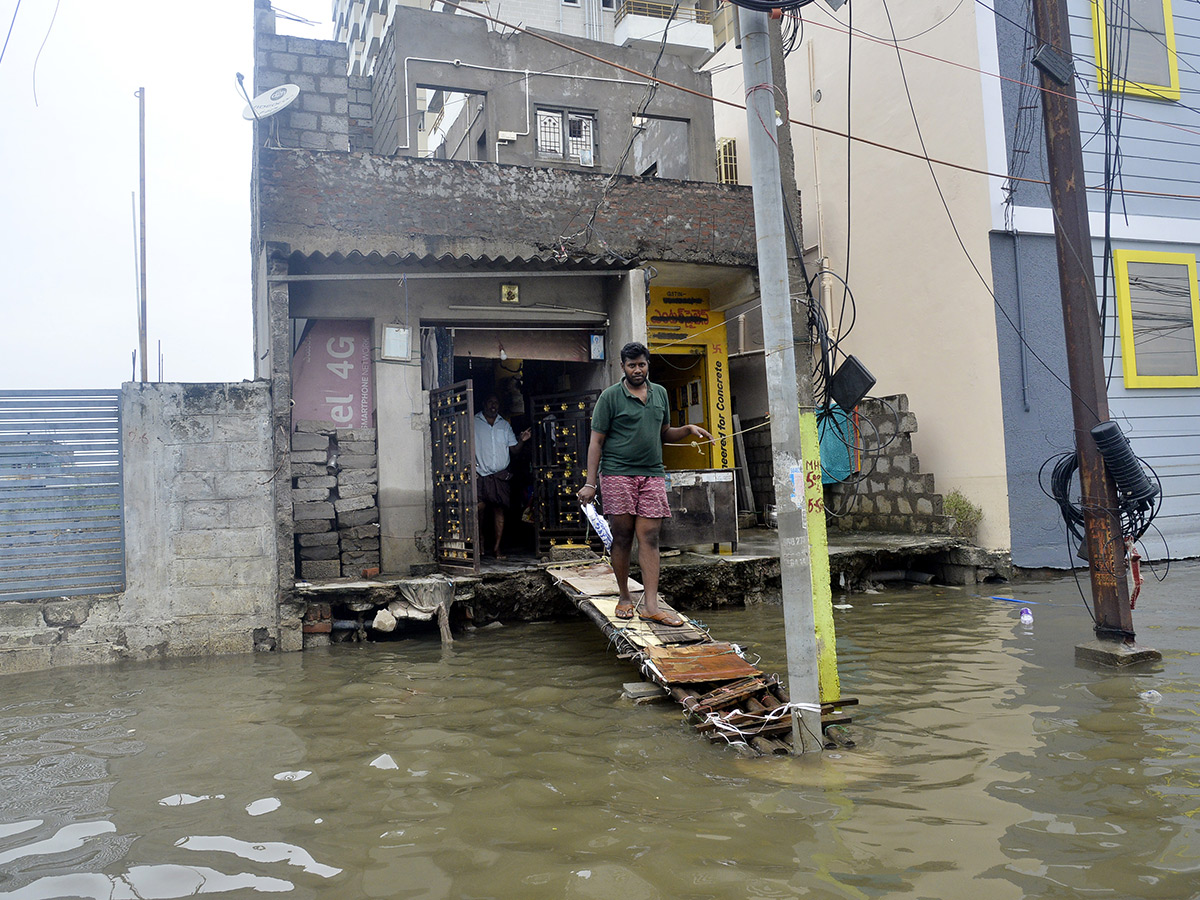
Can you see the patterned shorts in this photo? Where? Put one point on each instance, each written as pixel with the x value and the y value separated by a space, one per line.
pixel 635 495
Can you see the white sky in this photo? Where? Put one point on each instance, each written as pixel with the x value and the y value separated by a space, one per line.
pixel 69 168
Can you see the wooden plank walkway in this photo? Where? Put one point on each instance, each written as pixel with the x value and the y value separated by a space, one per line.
pixel 725 697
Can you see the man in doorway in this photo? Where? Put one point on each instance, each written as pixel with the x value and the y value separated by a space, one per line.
pixel 630 424
pixel 495 445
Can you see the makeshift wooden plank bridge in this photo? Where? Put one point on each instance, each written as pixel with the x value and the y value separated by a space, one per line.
pixel 725 697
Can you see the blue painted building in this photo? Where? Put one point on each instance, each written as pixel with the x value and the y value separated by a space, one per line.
pixel 1138 82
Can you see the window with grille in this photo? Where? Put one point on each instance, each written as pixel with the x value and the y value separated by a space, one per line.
pixel 1135 47
pixel 727 161
pixel 549 133
pixel 559 131
pixel 579 138
pixel 1159 309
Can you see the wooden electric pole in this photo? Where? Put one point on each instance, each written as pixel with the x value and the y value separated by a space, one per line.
pixel 1114 644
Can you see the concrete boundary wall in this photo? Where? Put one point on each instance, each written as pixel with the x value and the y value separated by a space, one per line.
pixel 200 529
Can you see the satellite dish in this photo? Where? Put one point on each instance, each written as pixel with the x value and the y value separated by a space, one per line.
pixel 270 102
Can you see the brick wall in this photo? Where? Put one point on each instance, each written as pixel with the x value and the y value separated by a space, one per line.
pixel 314 202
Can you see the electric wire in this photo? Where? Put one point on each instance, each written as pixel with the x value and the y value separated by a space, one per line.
pixel 1088 61
pixel 1134 517
pixel 849 144
pixel 958 236
pixel 1025 128
pixel 863 452
pixel 16 9
pixel 1113 103
pixel 792 32
pixel 49 28
pixel 809 125
pixel 634 131
pixel 1030 35
pixel 770 6
pixel 912 37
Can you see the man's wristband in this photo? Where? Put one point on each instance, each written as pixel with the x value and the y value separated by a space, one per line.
pixel 592 486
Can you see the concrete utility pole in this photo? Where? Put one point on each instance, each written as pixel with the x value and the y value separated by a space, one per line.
pixel 141 95
pixel 1085 349
pixel 779 339
pixel 810 431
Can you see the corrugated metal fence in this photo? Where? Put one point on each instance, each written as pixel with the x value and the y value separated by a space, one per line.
pixel 61 505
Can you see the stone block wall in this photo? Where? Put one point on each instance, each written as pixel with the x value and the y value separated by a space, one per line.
pixel 200 551
pixel 361 127
pixel 320 117
pixel 756 437
pixel 335 483
pixel 895 496
pixel 385 96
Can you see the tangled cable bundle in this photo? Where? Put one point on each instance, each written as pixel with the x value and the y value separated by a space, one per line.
pixel 1136 515
pixel 862 439
pixel 767 6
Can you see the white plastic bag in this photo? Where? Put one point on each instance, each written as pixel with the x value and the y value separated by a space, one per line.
pixel 599 524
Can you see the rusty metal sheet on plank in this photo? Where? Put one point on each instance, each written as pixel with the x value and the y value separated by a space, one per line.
pixel 714 661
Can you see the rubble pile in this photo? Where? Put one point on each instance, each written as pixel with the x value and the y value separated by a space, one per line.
pixel 335 484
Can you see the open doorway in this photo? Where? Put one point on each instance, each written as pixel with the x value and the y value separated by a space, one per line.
pixel 522 367
pixel 517 384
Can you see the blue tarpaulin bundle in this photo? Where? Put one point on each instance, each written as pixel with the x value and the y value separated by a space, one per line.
pixel 835 428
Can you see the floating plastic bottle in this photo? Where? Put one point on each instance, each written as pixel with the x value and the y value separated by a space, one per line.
pixel 1026 616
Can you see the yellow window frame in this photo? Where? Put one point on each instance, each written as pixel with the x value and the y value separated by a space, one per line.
pixel 1155 91
pixel 1121 261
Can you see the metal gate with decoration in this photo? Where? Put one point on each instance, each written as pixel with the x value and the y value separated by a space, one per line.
pixel 61 498
pixel 455 524
pixel 562 426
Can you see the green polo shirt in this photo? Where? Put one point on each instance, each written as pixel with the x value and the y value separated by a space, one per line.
pixel 632 430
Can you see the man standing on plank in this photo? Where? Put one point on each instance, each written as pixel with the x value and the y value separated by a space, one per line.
pixel 630 424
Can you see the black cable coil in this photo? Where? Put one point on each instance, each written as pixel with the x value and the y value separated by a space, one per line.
pixel 1138 497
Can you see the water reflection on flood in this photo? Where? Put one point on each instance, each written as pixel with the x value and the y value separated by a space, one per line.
pixel 988 766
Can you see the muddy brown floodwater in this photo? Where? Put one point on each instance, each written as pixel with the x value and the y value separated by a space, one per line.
pixel 988 766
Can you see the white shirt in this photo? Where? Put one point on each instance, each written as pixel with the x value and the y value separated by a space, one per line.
pixel 491 444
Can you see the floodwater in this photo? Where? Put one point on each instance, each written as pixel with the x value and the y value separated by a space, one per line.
pixel 988 766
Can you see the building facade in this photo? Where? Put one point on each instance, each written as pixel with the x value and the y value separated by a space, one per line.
pixel 395 287
pixel 937 213
pixel 693 28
